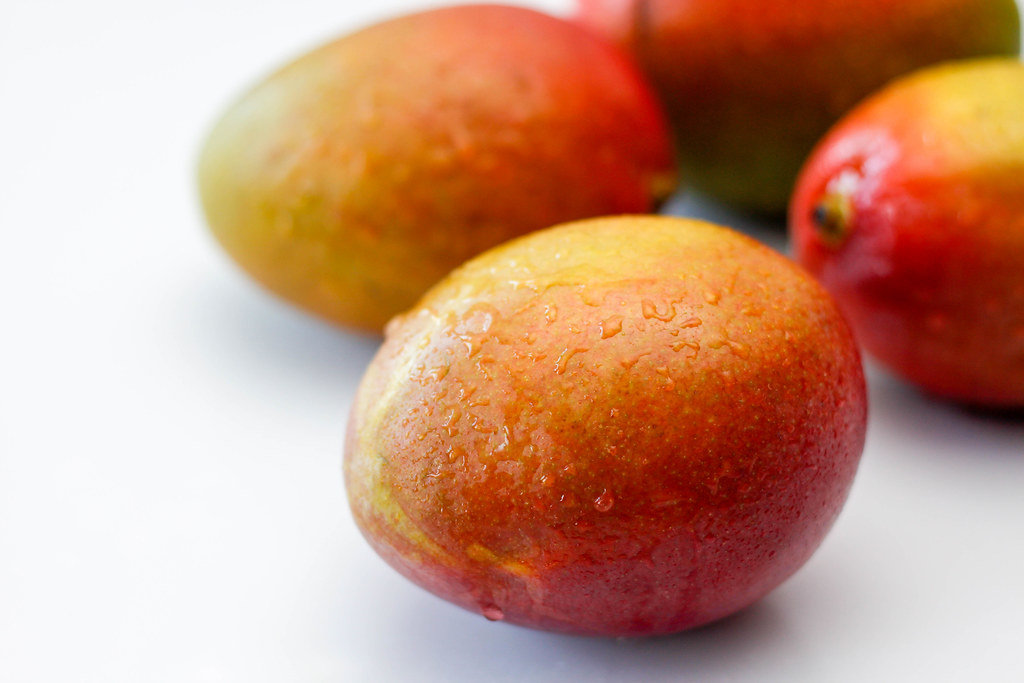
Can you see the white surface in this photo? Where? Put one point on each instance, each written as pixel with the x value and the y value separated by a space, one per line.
pixel 171 505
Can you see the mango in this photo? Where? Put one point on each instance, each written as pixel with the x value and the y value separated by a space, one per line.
pixel 752 85
pixel 911 212
pixel 354 178
pixel 619 426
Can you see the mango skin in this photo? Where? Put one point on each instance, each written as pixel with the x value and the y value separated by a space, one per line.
pixel 751 85
pixel 922 189
pixel 353 179
pixel 621 426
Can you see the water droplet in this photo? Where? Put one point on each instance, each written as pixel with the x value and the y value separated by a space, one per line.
pixel 611 327
pixel 563 358
pixel 506 439
pixel 452 420
pixel 436 467
pixel 690 348
pixel 492 612
pixel 629 361
pixel 738 348
pixel 712 297
pixel 422 376
pixel 604 502
pixel 551 313
pixel 691 322
pixel 479 424
pixel 650 310
pixel 484 365
pixel 453 416
pixel 454 453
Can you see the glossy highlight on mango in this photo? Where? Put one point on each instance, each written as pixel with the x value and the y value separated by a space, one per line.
pixel 912 213
pixel 751 85
pixel 354 178
pixel 620 426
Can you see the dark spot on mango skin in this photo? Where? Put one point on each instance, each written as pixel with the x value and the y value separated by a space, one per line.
pixel 832 217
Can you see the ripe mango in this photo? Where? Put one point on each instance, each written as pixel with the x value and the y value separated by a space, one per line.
pixel 619 426
pixel 751 85
pixel 354 178
pixel 912 213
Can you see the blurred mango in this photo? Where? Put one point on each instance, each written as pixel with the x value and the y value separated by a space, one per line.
pixel 353 179
pixel 751 85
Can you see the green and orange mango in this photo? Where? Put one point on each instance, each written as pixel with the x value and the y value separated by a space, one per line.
pixel 351 180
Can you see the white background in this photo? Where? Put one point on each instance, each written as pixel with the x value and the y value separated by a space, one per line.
pixel 171 503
